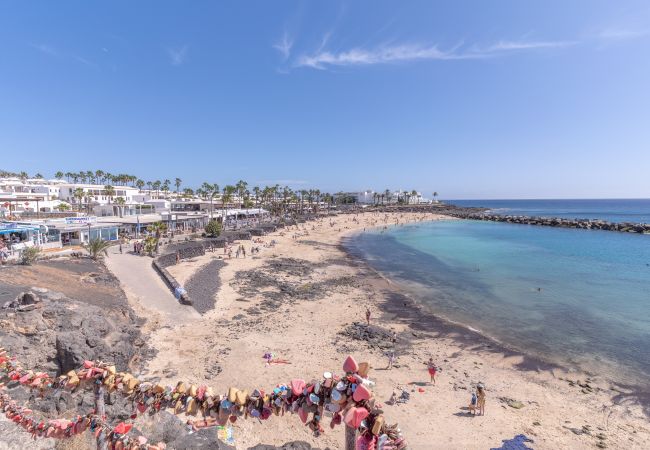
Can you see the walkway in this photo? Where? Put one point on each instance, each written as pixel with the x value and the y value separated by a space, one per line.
pixel 143 285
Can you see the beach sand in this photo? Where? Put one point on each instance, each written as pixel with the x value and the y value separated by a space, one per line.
pixel 295 299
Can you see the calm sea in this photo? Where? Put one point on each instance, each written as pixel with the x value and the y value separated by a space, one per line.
pixel 577 297
pixel 615 210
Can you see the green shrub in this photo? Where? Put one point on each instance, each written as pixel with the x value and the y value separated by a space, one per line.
pixel 213 228
pixel 29 255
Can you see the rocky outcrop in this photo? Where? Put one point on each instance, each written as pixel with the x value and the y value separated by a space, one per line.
pixel 582 224
pixel 59 333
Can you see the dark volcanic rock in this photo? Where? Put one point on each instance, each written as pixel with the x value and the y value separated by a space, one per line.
pixel 204 285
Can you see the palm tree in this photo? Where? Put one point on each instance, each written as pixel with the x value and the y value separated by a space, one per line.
pixel 157 228
pixel 58 175
pixel 63 207
pixel 256 191
pixel 165 187
pixel 177 183
pixel 188 192
pixel 211 191
pixel 79 195
pixel 88 198
pixel 226 197
pixel 109 191
pixel 241 187
pixel 99 174
pixel 23 176
pixel 140 184
pixel 156 185
pixel 387 194
pixel 97 248
pixel 120 202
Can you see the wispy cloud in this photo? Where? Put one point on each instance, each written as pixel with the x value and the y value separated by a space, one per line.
pixel 56 53
pixel 284 46
pixel 322 59
pixel 177 55
pixel 504 46
pixel 619 34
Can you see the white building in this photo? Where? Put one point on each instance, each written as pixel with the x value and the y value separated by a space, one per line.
pixel 95 194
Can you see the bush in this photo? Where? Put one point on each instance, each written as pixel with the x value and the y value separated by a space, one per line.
pixel 97 248
pixel 150 245
pixel 29 255
pixel 213 228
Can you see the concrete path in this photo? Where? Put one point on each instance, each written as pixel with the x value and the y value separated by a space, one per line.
pixel 143 284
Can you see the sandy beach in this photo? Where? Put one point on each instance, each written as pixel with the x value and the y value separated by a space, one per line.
pixel 304 300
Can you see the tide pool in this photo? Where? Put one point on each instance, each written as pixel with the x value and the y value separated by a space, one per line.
pixel 577 297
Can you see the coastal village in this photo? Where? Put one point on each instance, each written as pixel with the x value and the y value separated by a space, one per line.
pixel 166 317
pixel 75 208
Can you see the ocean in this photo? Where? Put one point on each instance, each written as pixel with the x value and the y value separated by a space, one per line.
pixel 614 210
pixel 580 298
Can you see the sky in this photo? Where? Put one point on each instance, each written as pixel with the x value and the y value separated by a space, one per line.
pixel 471 99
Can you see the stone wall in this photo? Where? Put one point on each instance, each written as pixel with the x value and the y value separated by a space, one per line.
pixel 170 281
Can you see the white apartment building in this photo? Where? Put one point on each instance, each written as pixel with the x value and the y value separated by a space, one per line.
pixel 95 194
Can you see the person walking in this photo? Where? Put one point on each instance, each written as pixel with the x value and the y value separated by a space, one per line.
pixel 391 359
pixel 368 315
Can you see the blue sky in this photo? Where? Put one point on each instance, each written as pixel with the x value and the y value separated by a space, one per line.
pixel 498 99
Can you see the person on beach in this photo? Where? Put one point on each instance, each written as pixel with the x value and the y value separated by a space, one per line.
pixel 431 366
pixel 178 257
pixel 391 359
pixel 368 314
pixel 480 395
pixel 473 403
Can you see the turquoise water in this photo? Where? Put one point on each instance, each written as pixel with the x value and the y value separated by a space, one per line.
pixel 578 297
pixel 611 210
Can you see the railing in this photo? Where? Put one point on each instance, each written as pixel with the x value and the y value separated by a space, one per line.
pixel 347 398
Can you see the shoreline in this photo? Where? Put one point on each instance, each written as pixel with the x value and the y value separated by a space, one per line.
pixel 534 361
pixel 309 309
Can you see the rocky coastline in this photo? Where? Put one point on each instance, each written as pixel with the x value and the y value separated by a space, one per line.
pixel 469 213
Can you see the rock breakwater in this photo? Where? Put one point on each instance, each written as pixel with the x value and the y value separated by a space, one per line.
pixel 583 224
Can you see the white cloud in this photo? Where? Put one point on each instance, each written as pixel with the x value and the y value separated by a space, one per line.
pixel 523 45
pixel 177 55
pixel 322 59
pixel 284 46
pixel 622 34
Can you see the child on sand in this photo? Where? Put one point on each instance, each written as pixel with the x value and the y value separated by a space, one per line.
pixel 431 366
pixel 368 314
pixel 473 403
pixel 480 394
